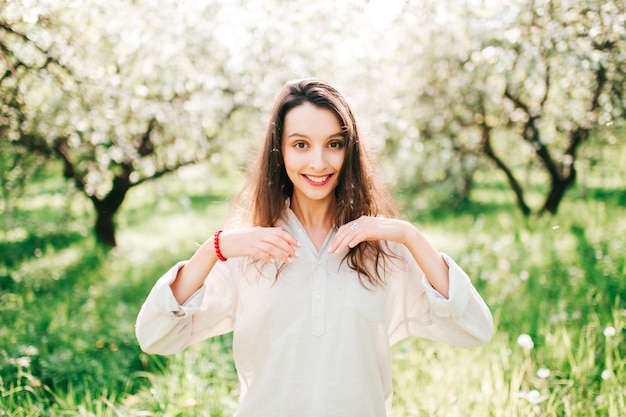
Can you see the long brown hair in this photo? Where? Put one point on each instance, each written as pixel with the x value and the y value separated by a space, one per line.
pixel 357 192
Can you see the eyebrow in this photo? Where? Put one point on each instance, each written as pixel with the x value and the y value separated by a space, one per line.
pixel 300 135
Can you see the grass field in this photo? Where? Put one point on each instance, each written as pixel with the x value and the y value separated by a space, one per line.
pixel 555 285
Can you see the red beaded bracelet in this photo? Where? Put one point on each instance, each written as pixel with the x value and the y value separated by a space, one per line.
pixel 216 243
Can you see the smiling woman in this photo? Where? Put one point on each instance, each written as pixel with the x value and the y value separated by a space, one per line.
pixel 320 280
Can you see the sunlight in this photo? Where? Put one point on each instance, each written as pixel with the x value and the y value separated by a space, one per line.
pixel 382 12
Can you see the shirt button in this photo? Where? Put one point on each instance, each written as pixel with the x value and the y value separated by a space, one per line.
pixel 317 296
pixel 299 230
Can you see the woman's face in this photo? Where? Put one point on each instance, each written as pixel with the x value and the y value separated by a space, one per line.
pixel 313 152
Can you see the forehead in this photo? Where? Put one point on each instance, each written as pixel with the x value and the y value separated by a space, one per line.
pixel 312 121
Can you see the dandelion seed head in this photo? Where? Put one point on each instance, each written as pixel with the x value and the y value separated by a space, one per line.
pixel 189 402
pixel 606 374
pixel 525 341
pixel 543 373
pixel 533 396
pixel 609 331
pixel 29 350
pixel 23 362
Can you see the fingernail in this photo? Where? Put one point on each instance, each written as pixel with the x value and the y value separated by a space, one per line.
pixel 289 259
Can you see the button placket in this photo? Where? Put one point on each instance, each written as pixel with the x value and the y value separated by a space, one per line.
pixel 318 299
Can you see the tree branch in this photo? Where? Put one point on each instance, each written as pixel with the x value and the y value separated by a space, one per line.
pixel 488 150
pixel 49 57
pixel 532 135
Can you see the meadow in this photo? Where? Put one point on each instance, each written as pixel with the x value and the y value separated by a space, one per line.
pixel 555 285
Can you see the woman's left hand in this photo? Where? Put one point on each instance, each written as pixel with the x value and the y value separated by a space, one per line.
pixel 369 228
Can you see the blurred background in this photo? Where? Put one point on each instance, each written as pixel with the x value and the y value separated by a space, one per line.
pixel 126 127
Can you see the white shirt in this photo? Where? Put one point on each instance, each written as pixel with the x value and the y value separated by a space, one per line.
pixel 313 343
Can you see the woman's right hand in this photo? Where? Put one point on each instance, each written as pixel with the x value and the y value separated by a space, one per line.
pixel 268 244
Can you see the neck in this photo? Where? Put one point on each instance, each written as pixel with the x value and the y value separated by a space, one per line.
pixel 315 216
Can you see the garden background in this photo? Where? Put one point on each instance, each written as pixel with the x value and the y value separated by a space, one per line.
pixel 126 127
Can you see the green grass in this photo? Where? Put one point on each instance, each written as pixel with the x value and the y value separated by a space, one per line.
pixel 67 308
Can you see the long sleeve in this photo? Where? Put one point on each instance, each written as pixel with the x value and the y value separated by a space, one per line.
pixel 417 309
pixel 164 327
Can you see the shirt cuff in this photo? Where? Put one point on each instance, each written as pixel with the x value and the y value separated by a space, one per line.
pixel 458 293
pixel 165 297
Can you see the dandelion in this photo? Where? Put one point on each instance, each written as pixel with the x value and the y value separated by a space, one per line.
pixel 24 361
pixel 532 396
pixel 543 373
pixel 189 402
pixel 525 341
pixel 606 374
pixel 29 350
pixel 524 275
pixel 609 331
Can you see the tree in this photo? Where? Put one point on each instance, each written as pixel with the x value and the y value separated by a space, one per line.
pixel 565 77
pixel 119 102
pixel 524 85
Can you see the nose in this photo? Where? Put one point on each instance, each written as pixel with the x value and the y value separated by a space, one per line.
pixel 319 160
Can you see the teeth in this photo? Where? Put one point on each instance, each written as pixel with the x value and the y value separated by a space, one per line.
pixel 318 179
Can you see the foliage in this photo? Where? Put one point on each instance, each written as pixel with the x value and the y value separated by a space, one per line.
pixel 17 168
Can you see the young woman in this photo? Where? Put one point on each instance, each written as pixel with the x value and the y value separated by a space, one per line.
pixel 321 279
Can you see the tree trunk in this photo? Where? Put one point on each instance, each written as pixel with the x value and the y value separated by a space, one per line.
pixel 557 190
pixel 105 228
pixel 564 178
pixel 107 207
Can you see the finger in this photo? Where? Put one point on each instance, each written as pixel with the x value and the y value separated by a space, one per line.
pixel 282 245
pixel 264 256
pixel 276 254
pixel 348 236
pixel 288 237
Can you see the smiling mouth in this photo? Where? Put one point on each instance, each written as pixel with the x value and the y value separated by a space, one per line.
pixel 317 180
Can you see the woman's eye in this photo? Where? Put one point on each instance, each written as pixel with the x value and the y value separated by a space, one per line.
pixel 337 144
pixel 299 145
